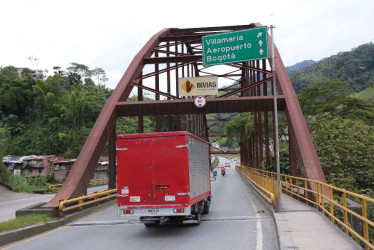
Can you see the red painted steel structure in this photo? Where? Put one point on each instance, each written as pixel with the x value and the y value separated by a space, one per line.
pixel 174 53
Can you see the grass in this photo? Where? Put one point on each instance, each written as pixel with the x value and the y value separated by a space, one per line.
pixel 215 162
pixel 23 221
pixel 21 183
pixel 366 94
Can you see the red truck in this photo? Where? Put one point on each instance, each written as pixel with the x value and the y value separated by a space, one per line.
pixel 163 176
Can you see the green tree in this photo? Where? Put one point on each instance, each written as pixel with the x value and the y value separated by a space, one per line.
pixel 323 99
pixel 346 152
pixel 241 126
pixel 16 95
pixel 4 144
pixel 51 116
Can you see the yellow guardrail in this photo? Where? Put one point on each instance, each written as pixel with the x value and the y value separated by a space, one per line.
pixel 85 200
pixel 53 187
pixel 264 184
pixel 330 200
pixel 97 182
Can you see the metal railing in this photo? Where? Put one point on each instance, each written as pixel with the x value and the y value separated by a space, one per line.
pixel 330 200
pixel 85 200
pixel 54 187
pixel 98 182
pixel 263 183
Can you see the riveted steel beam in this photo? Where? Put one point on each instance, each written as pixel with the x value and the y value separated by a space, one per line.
pixel 186 106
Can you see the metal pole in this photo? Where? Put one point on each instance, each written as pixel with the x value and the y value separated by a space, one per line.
pixel 278 203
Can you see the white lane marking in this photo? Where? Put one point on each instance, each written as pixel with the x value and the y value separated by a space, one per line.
pixel 259 243
pixel 259 233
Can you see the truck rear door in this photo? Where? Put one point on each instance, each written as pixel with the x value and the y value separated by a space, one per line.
pixel 154 170
pixel 170 170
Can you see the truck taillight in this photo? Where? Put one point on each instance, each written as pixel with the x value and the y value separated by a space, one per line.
pixel 125 190
pixel 179 210
pixel 128 211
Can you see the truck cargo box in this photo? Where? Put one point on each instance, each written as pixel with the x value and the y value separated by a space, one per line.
pixel 162 174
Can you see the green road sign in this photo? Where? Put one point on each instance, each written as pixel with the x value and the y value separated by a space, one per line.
pixel 237 46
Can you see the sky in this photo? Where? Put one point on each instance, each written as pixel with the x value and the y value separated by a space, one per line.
pixel 109 33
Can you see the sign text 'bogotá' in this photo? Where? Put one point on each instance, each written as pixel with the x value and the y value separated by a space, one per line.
pixel 237 46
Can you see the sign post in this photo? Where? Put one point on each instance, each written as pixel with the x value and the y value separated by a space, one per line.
pixel 276 141
pixel 237 46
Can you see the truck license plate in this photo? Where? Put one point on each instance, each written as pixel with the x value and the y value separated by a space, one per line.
pixel 169 197
pixel 134 198
pixel 153 211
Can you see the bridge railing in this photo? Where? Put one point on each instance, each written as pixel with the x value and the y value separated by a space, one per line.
pixel 358 224
pixel 83 201
pixel 266 185
pixel 94 182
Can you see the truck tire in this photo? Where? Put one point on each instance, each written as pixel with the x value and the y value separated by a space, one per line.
pixel 206 207
pixel 198 218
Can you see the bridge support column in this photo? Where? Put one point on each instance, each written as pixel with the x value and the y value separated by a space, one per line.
pixel 112 159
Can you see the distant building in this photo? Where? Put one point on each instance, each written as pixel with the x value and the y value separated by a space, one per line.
pixel 102 168
pixel 31 165
pixel 42 165
pixel 36 73
pixel 61 168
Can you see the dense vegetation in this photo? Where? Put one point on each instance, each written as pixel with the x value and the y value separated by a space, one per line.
pixel 51 116
pixel 342 130
pixel 367 94
pixel 355 67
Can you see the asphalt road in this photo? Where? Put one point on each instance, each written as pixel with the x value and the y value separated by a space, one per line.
pixel 12 201
pixel 224 160
pixel 237 220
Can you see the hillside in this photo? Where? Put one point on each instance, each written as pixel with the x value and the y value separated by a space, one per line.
pixel 367 94
pixel 300 65
pixel 355 67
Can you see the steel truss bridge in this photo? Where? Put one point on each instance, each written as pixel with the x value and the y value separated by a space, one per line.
pixel 173 53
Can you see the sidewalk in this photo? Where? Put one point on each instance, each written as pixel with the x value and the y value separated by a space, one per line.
pixel 303 227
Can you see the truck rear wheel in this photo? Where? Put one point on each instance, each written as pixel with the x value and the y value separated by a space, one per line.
pixel 198 218
pixel 206 206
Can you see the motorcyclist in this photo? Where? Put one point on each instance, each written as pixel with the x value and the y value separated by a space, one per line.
pixel 223 170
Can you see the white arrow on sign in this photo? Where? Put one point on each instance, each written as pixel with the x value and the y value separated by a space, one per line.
pixel 261 51
pixel 260 43
pixel 259 34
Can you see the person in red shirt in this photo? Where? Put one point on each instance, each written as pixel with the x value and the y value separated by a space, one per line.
pixel 223 170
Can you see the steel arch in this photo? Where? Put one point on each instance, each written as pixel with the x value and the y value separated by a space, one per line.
pixel 182 55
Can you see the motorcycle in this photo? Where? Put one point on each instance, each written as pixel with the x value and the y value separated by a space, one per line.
pixel 214 177
pixel 223 172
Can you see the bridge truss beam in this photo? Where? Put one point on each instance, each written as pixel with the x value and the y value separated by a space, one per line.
pixel 174 53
